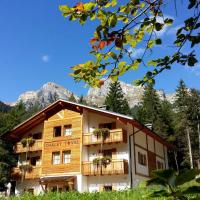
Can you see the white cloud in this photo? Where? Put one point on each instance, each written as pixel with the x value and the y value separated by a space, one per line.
pixel 45 58
pixel 136 52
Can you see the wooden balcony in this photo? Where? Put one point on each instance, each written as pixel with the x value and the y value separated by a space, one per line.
pixel 37 146
pixel 114 168
pixel 115 136
pixel 33 174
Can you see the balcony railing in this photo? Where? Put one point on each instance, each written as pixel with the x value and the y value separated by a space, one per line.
pixel 114 136
pixel 114 167
pixel 34 173
pixel 36 146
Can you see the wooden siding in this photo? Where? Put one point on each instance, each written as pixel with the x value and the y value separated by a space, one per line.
pixel 62 143
pixel 114 168
pixel 116 135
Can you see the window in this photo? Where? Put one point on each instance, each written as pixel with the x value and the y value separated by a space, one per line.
pixel 30 190
pixel 107 188
pixel 56 158
pixel 34 160
pixel 108 125
pixel 142 160
pixel 160 165
pixel 37 136
pixel 57 131
pixel 66 157
pixel 67 130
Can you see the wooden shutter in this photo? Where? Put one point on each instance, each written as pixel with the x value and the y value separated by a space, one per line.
pixel 151 162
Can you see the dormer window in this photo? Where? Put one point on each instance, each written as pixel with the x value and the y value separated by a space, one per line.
pixel 68 130
pixel 57 131
pixel 37 136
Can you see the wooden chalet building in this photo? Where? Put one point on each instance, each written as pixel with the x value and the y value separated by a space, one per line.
pixel 68 146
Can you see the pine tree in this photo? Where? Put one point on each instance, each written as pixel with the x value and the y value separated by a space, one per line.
pixel 194 118
pixel 72 98
pixel 183 126
pixel 82 100
pixel 115 100
pixel 155 112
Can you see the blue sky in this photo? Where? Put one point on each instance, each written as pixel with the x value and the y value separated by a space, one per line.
pixel 38 45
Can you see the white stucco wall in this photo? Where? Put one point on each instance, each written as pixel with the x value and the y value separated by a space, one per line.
pixel 28 184
pixel 140 139
pixel 141 169
pixel 119 182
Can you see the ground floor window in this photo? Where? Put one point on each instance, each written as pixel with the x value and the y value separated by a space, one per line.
pixel 107 188
pixel 160 165
pixel 29 190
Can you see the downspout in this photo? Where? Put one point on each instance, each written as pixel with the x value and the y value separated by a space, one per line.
pixel 130 153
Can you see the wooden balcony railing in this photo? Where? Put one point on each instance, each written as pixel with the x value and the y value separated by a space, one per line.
pixel 33 174
pixel 115 167
pixel 115 135
pixel 37 146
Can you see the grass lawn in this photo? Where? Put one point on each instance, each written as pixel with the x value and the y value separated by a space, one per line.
pixel 135 194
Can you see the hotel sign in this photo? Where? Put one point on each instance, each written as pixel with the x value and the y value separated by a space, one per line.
pixel 62 143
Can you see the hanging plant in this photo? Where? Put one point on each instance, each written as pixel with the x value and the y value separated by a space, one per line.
pixel 27 142
pixel 97 161
pixel 26 168
pixel 101 133
pixel 106 161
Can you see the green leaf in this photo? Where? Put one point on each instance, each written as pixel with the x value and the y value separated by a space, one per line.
pixel 192 60
pixel 150 44
pixel 168 21
pixel 111 3
pixel 65 8
pixel 135 64
pixel 122 64
pixel 158 41
pixel 152 63
pixel 113 55
pixel 112 20
pixel 142 5
pixel 158 26
pixel 89 6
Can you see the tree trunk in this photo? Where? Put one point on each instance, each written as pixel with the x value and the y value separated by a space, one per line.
pixel 198 130
pixel 189 148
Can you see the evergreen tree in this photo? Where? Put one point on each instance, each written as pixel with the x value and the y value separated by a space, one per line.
pixel 115 100
pixel 82 100
pixel 72 98
pixel 183 126
pixel 194 118
pixel 155 112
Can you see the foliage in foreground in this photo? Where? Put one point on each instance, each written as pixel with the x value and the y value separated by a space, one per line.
pixel 171 182
pixel 136 194
pixel 122 27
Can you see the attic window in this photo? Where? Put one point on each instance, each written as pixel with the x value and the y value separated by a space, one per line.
pixel 57 131
pixel 37 136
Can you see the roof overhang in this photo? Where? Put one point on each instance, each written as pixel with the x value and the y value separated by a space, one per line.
pixel 55 107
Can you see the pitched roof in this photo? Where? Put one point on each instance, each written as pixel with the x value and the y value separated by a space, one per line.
pixel 60 104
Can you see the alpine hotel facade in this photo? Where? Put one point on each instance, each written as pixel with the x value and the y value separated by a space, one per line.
pixel 57 150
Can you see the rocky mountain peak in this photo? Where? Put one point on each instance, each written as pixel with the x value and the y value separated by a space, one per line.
pixel 133 94
pixel 47 94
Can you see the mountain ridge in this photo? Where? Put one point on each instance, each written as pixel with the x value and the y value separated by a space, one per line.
pixel 50 92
